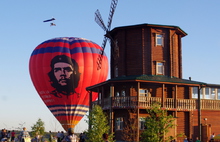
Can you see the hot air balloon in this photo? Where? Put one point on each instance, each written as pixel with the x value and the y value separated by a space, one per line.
pixel 61 69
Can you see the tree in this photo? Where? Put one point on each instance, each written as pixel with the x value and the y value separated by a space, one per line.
pixel 98 125
pixel 38 128
pixel 158 124
pixel 130 130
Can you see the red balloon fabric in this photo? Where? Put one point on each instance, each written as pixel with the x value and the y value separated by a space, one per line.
pixel 61 69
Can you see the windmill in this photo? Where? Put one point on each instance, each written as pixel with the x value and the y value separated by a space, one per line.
pixel 107 36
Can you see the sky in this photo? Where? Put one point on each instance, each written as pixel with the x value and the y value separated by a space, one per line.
pixel 22 29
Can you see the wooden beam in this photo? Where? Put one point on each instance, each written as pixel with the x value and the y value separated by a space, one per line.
pixel 111 109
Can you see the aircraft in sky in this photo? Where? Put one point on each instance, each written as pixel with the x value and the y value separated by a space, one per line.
pixel 51 24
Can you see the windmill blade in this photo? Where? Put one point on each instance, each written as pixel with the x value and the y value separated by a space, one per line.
pixel 99 62
pixel 104 42
pixel 99 21
pixel 112 10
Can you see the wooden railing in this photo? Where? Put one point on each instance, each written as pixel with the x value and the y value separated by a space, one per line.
pixel 169 103
pixel 210 104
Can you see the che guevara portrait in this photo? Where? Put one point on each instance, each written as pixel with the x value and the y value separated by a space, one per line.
pixel 64 76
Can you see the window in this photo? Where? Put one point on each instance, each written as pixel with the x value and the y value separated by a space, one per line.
pixel 141 123
pixel 117 94
pixel 123 96
pixel 213 96
pixel 159 39
pixel 143 93
pixel 201 93
pixel 195 92
pixel 218 94
pixel 116 71
pixel 120 93
pixel 160 68
pixel 123 93
pixel 119 123
pixel 100 98
pixel 117 99
pixel 207 93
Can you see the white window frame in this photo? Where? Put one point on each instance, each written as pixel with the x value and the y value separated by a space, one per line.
pixel 160 66
pixel 218 93
pixel 119 123
pixel 143 93
pixel 159 39
pixel 141 123
pixel 208 93
pixel 213 93
pixel 195 92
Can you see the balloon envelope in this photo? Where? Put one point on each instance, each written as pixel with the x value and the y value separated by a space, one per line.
pixel 61 69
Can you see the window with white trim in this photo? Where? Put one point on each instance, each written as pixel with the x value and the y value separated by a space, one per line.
pixel 207 93
pixel 213 93
pixel 160 68
pixel 143 93
pixel 194 92
pixel 119 123
pixel 201 93
pixel 218 94
pixel 159 40
pixel 141 123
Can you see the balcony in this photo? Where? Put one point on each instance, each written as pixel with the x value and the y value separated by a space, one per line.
pixel 146 102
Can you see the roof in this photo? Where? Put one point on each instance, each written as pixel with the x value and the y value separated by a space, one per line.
pixel 156 78
pixel 151 79
pixel 213 85
pixel 150 25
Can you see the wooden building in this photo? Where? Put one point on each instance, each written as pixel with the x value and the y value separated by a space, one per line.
pixel 146 66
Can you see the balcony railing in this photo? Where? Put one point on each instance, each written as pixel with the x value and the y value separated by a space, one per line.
pixel 169 103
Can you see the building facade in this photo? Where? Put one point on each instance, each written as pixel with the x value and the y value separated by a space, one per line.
pixel 146 66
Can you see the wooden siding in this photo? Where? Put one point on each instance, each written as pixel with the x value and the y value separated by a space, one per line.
pixel 138 53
